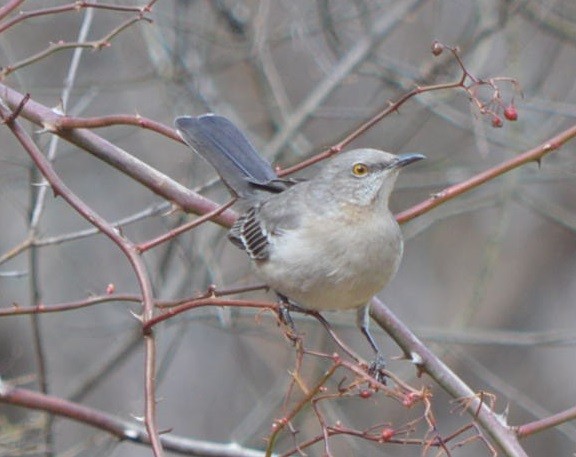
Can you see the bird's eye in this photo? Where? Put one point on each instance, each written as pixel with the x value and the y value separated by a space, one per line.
pixel 359 169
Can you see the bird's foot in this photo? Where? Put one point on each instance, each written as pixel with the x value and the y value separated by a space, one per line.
pixel 377 368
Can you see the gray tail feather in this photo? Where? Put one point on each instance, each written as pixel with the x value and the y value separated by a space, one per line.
pixel 222 144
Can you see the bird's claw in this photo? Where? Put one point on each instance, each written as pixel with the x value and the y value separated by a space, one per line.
pixel 284 308
pixel 377 369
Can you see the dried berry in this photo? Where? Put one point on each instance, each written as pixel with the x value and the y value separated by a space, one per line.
pixel 496 121
pixel 437 48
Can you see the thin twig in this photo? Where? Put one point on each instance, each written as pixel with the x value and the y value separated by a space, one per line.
pixel 143 247
pixel 544 424
pixel 208 301
pixel 61 46
pixel 74 7
pixel 69 306
pixel 69 122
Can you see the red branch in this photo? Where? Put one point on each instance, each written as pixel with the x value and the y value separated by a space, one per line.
pixel 125 245
pixel 546 423
pixel 9 7
pixel 533 155
pixel 41 309
pixel 122 429
pixel 126 163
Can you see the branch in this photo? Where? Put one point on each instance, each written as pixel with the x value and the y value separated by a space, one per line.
pixel 383 26
pixel 143 247
pixel 211 300
pixel 61 46
pixel 425 360
pixel 70 122
pixel 125 245
pixel 212 292
pixel 126 163
pixel 121 429
pixel 70 306
pixel 546 423
pixel 9 7
pixel 533 155
pixel 76 6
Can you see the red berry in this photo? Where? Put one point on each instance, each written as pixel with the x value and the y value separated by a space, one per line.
pixel 496 121
pixel 365 393
pixel 387 434
pixel 511 113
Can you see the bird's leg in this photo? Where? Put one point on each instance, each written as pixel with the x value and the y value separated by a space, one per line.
pixel 376 368
pixel 285 306
pixel 284 311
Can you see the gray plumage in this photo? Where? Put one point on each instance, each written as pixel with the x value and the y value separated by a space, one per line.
pixel 328 243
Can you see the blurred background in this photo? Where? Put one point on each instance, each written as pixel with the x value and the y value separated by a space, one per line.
pixel 487 279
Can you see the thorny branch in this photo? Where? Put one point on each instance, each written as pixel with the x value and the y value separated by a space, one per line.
pixel 467 82
pixel 67 128
pixel 127 247
pixel 96 45
pixel 121 429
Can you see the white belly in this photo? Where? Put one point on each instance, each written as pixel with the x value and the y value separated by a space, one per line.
pixel 345 273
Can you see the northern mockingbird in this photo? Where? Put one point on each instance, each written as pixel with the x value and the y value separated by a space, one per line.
pixel 329 243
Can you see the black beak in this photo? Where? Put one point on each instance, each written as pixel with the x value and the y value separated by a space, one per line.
pixel 406 159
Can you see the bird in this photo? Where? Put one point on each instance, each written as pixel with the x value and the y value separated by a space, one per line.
pixel 326 243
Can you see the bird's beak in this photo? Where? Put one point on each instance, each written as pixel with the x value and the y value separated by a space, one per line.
pixel 406 159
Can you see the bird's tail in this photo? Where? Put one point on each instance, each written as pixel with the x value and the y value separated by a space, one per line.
pixel 222 144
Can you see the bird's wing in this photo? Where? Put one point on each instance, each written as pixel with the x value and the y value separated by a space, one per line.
pixel 251 235
pixel 255 230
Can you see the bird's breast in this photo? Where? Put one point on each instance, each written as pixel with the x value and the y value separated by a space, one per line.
pixel 334 263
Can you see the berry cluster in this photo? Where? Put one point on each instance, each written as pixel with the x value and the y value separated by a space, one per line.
pixel 495 107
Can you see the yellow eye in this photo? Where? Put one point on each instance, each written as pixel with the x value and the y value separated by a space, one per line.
pixel 359 169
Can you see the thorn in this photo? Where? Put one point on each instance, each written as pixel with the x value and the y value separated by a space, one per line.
pixel 59 109
pixel 416 359
pixel 138 418
pixel 418 362
pixel 138 317
pixel 47 127
pixel 40 184
pixel 503 416
pixel 173 208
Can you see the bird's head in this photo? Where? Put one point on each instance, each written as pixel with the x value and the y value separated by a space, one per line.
pixel 365 177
